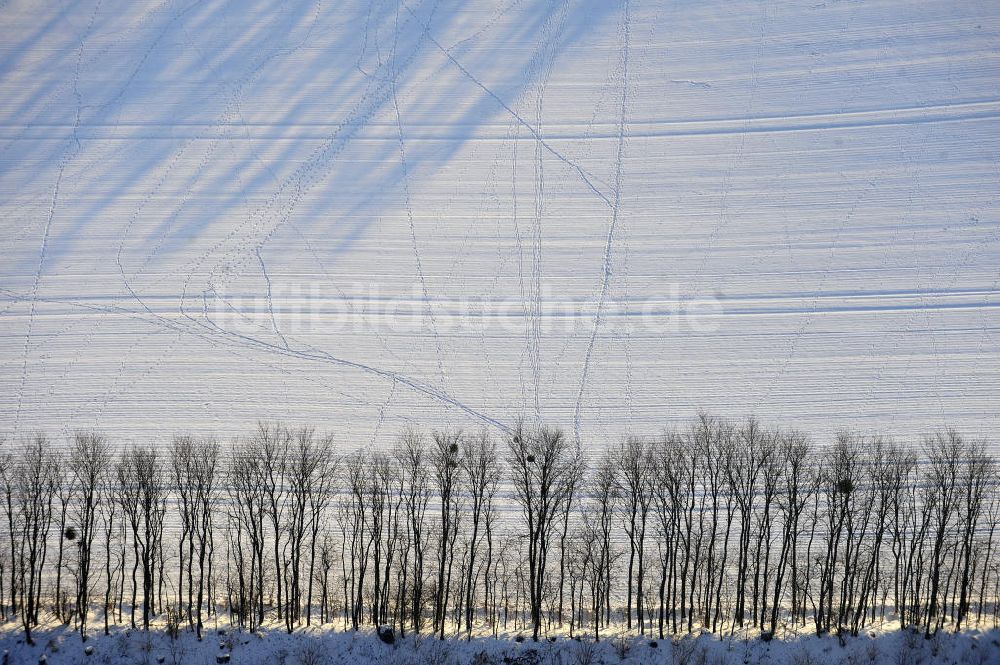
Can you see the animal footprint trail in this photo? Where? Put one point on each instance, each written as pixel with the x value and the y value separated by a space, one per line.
pixel 270 300
pixel 428 307
pixel 67 157
pixel 165 163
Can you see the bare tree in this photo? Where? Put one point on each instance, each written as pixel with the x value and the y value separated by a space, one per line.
pixel 270 444
pixel 944 452
pixel 247 511
pixel 545 467
pixel 902 525
pixel 413 455
pixel 710 435
pixel 110 528
pixel 35 486
pixel 444 460
pixel 90 462
pixel 140 477
pixel 745 525
pixel 321 492
pixel 976 470
pixel 770 472
pixel 8 477
pixel 634 477
pixel 65 488
pixel 377 489
pixel 881 494
pixel 845 478
pixel 307 474
pixel 599 519
pixel 182 467
pixel 749 459
pixel 206 495
pixel 482 477
pixel 668 502
pixel 354 518
pixel 798 485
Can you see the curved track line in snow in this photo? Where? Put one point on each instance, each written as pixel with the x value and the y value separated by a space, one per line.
pixel 267 218
pixel 34 293
pixel 323 356
pixel 270 301
pixel 609 242
pixel 213 334
pixel 63 163
pixel 428 310
pixel 534 131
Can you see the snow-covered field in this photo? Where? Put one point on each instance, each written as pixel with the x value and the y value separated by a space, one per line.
pixel 598 214
pixel 323 647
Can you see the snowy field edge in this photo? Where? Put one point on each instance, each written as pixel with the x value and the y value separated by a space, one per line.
pixel 59 645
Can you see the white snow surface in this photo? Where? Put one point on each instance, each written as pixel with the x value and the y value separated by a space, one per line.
pixel 321 646
pixel 598 214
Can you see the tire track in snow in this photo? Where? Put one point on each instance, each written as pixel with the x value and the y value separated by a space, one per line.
pixel 607 266
pixel 889 116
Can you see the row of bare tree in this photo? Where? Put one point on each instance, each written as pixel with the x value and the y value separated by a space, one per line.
pixel 725 526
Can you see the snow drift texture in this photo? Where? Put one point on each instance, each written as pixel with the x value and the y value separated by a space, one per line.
pixel 368 215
